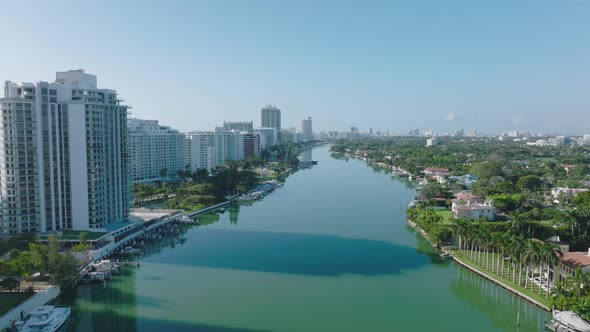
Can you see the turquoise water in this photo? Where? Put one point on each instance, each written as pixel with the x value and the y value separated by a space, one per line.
pixel 328 251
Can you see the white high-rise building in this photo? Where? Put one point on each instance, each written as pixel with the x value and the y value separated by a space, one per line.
pixel 210 149
pixel 63 155
pixel 156 152
pixel 268 137
pixel 306 131
pixel 201 150
pixel 229 145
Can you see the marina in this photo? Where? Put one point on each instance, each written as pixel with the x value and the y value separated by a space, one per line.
pixel 260 191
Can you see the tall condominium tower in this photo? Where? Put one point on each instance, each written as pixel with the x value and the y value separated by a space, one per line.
pixel 306 131
pixel 210 149
pixel 63 155
pixel 201 150
pixel 229 145
pixel 238 126
pixel 271 117
pixel 156 152
pixel 267 137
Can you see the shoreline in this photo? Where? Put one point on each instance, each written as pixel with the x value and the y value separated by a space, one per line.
pixel 484 274
pixel 466 265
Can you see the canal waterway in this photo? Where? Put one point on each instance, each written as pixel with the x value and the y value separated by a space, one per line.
pixel 328 251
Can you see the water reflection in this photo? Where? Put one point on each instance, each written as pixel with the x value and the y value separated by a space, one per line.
pixel 498 304
pixel 234 211
pixel 306 155
pixel 104 308
pixel 301 254
pixel 424 247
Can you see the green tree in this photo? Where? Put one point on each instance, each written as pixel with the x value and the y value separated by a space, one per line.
pixel 65 271
pixel 23 265
pixel 487 170
pixel 440 235
pixel 529 182
pixel 9 283
pixel 84 245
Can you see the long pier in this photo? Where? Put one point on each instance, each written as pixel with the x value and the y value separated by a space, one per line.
pixel 209 209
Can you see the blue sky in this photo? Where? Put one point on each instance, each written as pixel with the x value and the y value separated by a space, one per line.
pixel 443 65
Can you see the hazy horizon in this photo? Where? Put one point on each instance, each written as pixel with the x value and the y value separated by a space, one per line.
pixel 487 65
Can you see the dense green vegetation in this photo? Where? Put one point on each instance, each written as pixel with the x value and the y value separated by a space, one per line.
pixel 46 259
pixel 518 179
pixel 486 157
pixel 199 189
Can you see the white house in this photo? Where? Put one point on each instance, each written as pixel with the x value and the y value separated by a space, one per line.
pixel 472 207
pixel 568 192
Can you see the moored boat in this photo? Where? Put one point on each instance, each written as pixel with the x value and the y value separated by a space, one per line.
pixel 46 318
pixel 568 321
pixel 445 254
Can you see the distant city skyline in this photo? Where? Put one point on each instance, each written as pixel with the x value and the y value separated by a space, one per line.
pixel 491 66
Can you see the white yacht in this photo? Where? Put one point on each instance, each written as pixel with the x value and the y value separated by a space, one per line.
pixel 569 321
pixel 46 318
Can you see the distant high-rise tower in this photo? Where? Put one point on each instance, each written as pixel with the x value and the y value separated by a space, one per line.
pixel 238 126
pixel 414 132
pixel 306 130
pixel 271 117
pixel 63 156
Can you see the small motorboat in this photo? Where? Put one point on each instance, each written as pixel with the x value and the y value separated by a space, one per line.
pixel 46 318
pixel 445 254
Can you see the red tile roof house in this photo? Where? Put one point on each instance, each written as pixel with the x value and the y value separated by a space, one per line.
pixel 472 207
pixel 432 171
pixel 568 262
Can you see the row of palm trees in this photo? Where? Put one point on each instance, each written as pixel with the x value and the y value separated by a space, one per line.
pixel 505 253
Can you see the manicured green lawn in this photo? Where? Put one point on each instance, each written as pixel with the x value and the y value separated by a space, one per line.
pixel 447 216
pixel 506 277
pixel 76 234
pixel 11 300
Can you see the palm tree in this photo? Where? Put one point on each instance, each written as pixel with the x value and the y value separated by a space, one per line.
pixel 460 230
pixel 496 241
pixel 529 258
pixel 570 219
pixel 551 258
pixel 518 246
pixel 487 241
pixel 504 247
pixel 579 282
